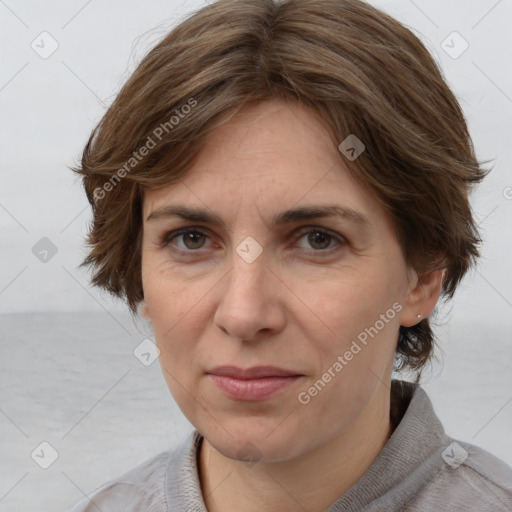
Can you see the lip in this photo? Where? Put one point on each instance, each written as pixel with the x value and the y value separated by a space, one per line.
pixel 252 384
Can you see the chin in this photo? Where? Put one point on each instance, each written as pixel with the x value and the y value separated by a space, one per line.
pixel 253 441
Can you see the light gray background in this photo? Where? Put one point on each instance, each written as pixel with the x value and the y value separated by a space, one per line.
pixel 68 374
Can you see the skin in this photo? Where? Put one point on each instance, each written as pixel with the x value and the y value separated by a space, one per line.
pixel 298 305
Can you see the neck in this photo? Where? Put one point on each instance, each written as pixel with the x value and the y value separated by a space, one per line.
pixel 312 481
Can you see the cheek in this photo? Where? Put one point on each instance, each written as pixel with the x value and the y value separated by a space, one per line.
pixel 174 321
pixel 347 305
pixel 357 319
pixel 170 303
pixel 168 296
pixel 356 350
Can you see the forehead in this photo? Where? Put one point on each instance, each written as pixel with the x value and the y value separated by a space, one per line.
pixel 267 155
pixel 272 130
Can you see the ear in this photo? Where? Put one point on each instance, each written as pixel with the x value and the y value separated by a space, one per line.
pixel 422 297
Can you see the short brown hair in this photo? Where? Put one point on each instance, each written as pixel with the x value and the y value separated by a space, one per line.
pixel 361 70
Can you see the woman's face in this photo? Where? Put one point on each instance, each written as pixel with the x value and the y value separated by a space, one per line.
pixel 319 299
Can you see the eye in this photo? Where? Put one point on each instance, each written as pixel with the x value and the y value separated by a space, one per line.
pixel 192 239
pixel 321 240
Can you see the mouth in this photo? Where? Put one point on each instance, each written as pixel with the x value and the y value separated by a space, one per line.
pixel 252 384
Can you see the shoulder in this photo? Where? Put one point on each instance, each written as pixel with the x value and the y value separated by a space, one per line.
pixel 141 488
pixel 468 479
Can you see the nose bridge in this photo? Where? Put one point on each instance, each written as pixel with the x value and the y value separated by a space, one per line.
pixel 249 273
pixel 248 269
pixel 249 230
pixel 246 307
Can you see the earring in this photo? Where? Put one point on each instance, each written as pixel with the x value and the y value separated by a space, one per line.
pixel 419 316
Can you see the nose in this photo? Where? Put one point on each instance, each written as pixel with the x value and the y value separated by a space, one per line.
pixel 251 304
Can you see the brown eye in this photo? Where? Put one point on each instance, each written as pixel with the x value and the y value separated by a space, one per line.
pixel 193 240
pixel 319 240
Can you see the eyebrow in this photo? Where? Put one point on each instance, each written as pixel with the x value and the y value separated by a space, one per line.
pixel 285 217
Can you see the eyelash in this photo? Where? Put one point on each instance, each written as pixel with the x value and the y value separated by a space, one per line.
pixel 168 237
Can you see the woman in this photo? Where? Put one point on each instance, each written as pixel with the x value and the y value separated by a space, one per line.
pixel 281 189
